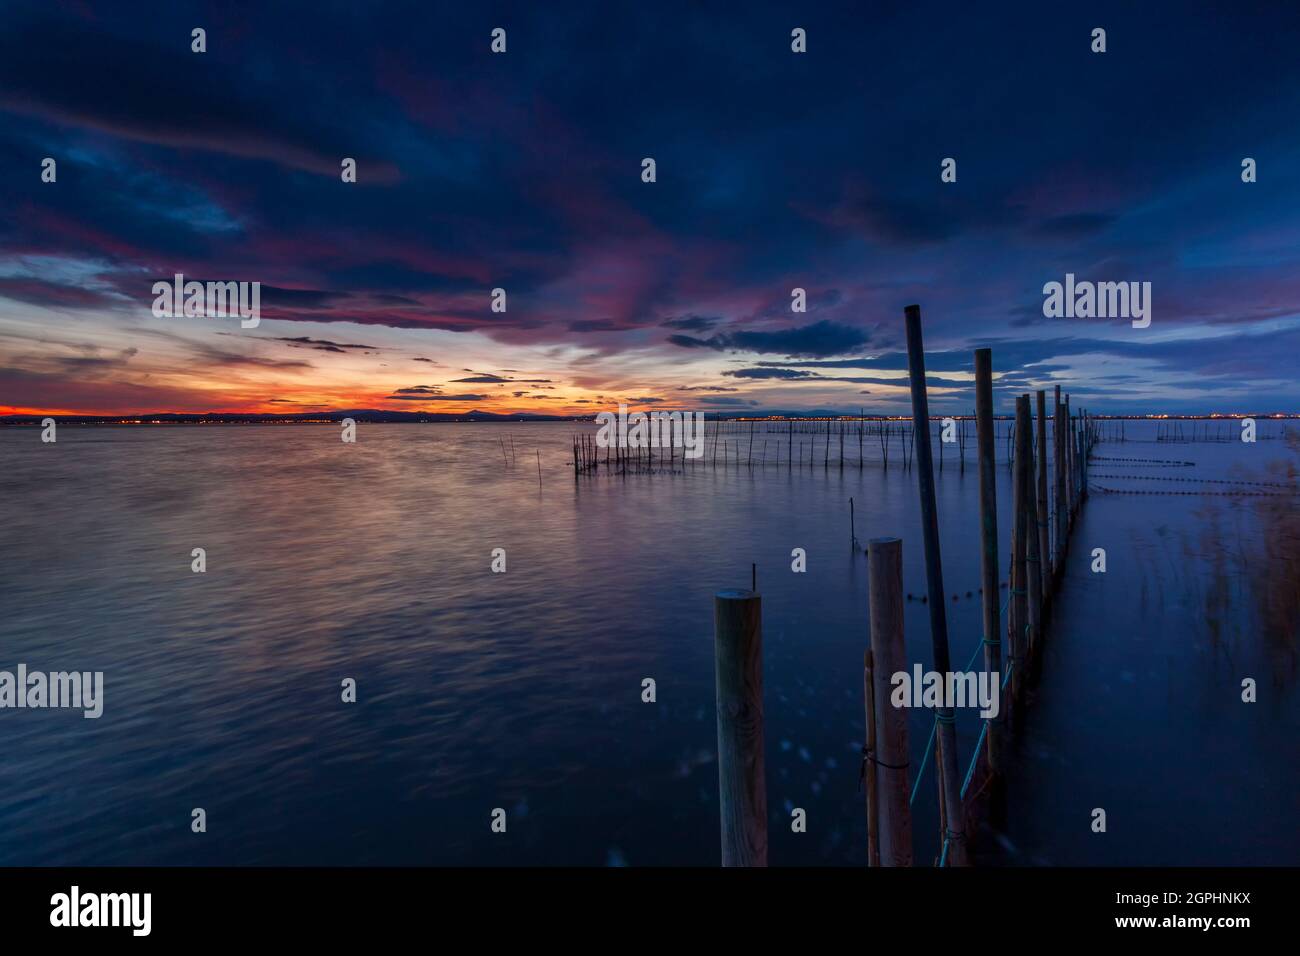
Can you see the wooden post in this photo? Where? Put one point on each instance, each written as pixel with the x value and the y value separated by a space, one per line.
pixel 861 426
pixel 1019 547
pixel 1069 465
pixel 1044 547
pixel 1083 470
pixel 986 450
pixel 889 756
pixel 869 761
pixel 1031 582
pixel 1033 561
pixel 1074 459
pixel 1083 448
pixel 943 803
pixel 1087 450
pixel 1058 458
pixel 742 787
pixel 1076 430
pixel 949 779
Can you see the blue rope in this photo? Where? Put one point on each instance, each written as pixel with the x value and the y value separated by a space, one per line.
pixel 925 758
pixel 980 646
pixel 925 762
pixel 970 772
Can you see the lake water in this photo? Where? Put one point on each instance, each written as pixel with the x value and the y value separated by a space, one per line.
pixel 478 690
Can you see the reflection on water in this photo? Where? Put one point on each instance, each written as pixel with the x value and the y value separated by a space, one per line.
pixel 522 690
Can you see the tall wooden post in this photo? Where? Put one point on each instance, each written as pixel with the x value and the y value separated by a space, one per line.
pixel 1069 465
pixel 869 761
pixel 1087 450
pixel 1083 468
pixel 1033 558
pixel 949 779
pixel 1076 432
pixel 986 450
pixel 1040 496
pixel 1058 456
pixel 742 787
pixel 1020 547
pixel 889 748
pixel 1034 563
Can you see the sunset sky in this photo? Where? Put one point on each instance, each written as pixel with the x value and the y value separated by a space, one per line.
pixel 522 171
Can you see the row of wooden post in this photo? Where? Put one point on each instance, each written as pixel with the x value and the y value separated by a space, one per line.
pixel 1036 563
pixel 1035 570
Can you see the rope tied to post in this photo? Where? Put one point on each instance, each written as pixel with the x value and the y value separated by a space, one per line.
pixel 869 756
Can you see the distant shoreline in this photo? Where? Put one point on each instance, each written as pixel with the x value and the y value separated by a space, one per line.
pixel 375 416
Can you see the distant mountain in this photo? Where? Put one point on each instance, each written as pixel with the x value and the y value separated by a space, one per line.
pixel 359 414
pixel 378 415
pixel 383 415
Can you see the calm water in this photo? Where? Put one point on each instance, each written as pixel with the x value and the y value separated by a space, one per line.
pixel 523 690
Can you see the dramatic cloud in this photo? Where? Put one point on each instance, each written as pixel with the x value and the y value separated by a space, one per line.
pixel 728 400
pixel 432 397
pixel 594 325
pixel 324 345
pixel 692 323
pixel 818 339
pixel 775 373
pixel 786 373
pixel 523 175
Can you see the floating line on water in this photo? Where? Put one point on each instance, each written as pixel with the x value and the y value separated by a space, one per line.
pixel 1166 462
pixel 1213 481
pixel 1195 494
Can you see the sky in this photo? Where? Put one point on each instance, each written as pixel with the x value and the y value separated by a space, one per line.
pixel 523 171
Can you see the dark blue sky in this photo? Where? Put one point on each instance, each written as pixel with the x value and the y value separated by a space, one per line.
pixel 523 171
